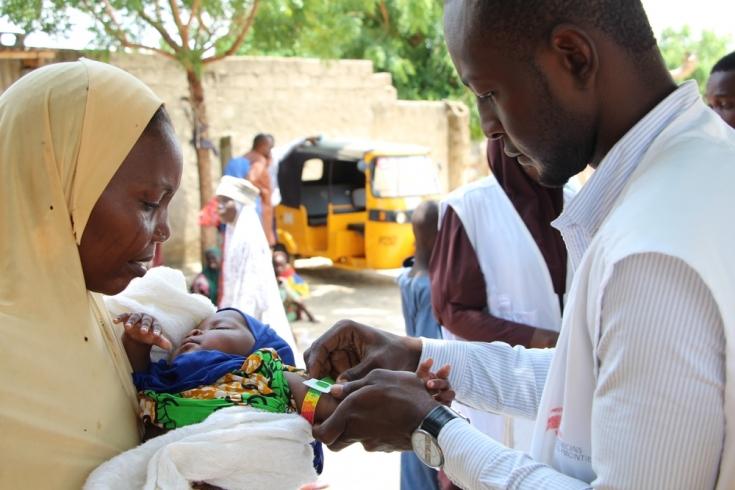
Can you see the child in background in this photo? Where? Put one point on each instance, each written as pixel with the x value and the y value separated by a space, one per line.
pixel 415 288
pixel 206 282
pixel 293 288
pixel 414 282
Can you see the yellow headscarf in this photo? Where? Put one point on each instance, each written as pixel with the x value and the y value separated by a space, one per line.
pixel 66 397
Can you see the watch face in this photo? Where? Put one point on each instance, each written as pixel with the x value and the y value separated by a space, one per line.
pixel 427 449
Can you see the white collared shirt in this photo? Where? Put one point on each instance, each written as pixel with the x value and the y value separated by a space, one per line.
pixel 650 307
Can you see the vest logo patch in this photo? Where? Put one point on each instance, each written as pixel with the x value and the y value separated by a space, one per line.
pixel 554 420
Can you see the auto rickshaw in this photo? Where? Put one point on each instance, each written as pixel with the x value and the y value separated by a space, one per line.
pixel 352 201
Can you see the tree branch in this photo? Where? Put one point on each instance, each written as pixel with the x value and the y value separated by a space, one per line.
pixel 200 26
pixel 183 30
pixel 112 27
pixel 385 14
pixel 240 37
pixel 158 27
pixel 195 6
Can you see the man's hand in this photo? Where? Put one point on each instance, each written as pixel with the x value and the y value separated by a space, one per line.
pixel 381 411
pixel 349 351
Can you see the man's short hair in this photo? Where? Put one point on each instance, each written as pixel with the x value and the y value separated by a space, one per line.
pixel 726 63
pixel 524 23
pixel 261 138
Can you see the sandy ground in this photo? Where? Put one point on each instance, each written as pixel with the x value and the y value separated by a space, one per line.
pixel 367 297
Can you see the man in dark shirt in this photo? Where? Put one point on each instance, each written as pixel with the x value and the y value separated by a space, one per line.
pixel 458 289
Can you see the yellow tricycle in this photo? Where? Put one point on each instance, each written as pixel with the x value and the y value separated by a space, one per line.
pixel 351 201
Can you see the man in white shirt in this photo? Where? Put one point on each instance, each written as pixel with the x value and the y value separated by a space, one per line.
pixel 639 390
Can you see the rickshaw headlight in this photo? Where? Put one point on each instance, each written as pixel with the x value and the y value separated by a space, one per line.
pixel 401 217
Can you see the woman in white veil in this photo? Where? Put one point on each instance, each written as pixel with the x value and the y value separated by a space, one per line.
pixel 248 280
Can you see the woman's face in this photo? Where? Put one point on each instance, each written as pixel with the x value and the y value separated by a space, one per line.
pixel 226 209
pixel 131 215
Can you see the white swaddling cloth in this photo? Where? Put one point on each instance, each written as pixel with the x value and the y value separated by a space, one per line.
pixel 234 448
pixel 162 294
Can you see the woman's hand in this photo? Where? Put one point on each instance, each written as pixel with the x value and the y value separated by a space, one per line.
pixel 144 329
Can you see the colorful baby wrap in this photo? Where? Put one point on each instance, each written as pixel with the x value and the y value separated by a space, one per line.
pixel 258 382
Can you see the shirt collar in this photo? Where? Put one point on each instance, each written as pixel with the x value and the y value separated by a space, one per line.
pixel 594 201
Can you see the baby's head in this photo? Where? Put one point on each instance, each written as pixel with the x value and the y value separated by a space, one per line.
pixel 226 331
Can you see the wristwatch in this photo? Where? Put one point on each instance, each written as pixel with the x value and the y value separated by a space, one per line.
pixel 425 439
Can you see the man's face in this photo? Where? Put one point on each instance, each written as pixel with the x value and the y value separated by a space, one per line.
pixel 720 95
pixel 224 331
pixel 539 116
pixel 266 148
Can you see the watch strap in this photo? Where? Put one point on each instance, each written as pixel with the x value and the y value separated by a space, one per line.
pixel 437 419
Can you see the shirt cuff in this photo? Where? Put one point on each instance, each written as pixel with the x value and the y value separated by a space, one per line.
pixel 452 352
pixel 466 452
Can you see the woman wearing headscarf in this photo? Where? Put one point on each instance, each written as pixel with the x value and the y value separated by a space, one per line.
pixel 248 280
pixel 498 270
pixel 88 165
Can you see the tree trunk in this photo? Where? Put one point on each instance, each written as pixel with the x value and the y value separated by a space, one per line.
pixel 203 147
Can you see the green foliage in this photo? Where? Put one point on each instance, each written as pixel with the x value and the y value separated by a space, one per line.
pixel 708 47
pixel 36 15
pixel 192 37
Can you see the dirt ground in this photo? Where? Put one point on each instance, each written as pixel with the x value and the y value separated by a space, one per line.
pixel 367 297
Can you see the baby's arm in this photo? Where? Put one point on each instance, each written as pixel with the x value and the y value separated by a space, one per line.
pixel 141 333
pixel 324 408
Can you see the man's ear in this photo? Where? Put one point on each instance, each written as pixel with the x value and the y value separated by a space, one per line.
pixel 575 52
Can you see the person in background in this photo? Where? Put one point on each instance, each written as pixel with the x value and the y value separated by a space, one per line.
pixel 460 294
pixel 254 166
pixel 294 290
pixel 720 94
pixel 498 271
pixel 260 176
pixel 206 282
pixel 248 281
pixel 260 151
pixel 415 289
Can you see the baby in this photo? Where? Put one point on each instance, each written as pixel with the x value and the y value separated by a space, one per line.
pixel 229 359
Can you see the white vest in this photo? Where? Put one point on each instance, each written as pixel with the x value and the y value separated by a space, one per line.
pixel 683 183
pixel 517 281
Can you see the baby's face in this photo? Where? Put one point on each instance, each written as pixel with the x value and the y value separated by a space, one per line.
pixel 224 331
